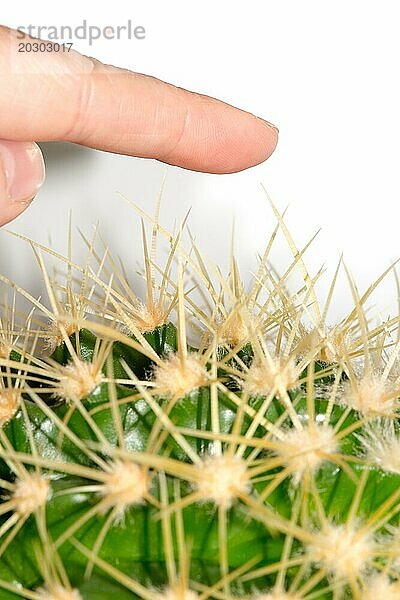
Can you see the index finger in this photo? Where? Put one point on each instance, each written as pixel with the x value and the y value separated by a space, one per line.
pixel 71 97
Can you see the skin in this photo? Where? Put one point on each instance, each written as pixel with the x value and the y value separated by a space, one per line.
pixel 64 96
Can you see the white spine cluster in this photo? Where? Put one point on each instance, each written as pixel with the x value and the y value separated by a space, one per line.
pixel 306 448
pixel 263 377
pixel 30 493
pixel 222 478
pixel 177 377
pixel 125 484
pixel 9 402
pixel 342 550
pixel 176 594
pixel 380 587
pixel 55 335
pixel 148 318
pixel 58 592
pixel 371 395
pixel 277 595
pixel 78 379
pixel 334 343
pixel 382 445
pixel 234 330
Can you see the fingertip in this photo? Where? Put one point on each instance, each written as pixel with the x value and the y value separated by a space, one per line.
pixel 247 143
pixel 266 135
pixel 22 173
pixel 220 138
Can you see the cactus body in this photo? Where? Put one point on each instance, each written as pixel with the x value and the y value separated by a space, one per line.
pixel 261 464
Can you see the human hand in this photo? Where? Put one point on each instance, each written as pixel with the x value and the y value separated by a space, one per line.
pixel 48 96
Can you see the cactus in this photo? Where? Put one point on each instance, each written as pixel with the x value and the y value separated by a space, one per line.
pixel 208 442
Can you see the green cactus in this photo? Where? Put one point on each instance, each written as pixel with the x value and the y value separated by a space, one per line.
pixel 259 462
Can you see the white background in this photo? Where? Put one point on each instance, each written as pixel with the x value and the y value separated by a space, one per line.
pixel 327 73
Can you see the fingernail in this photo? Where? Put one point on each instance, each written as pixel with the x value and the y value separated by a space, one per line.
pixel 22 172
pixel 270 125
